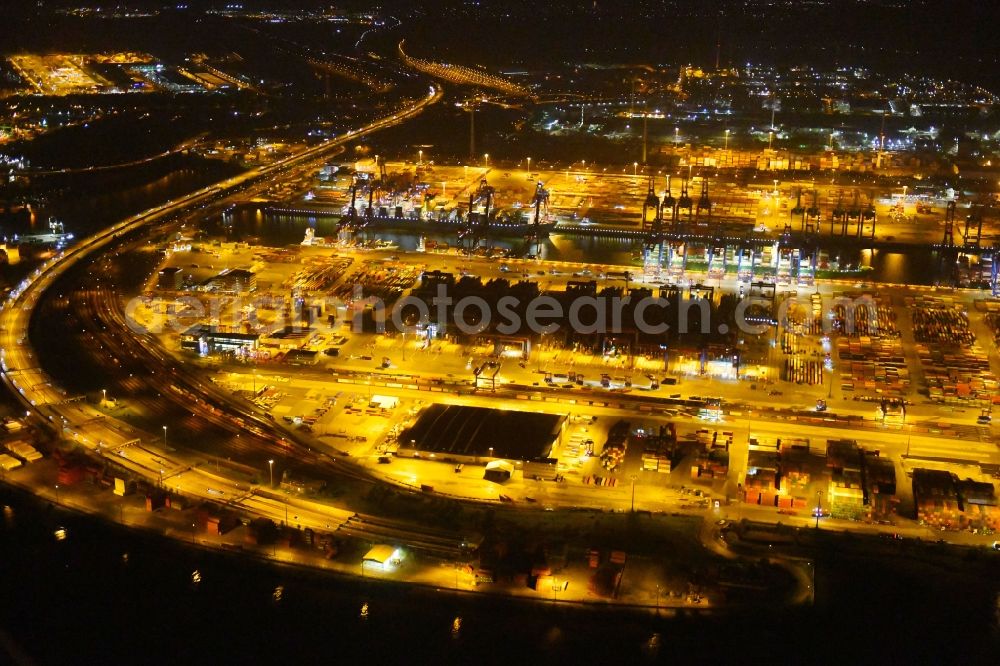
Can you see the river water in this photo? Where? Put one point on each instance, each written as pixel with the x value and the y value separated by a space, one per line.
pixel 919 265
pixel 109 594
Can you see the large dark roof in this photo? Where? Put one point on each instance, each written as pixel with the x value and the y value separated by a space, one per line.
pixel 471 431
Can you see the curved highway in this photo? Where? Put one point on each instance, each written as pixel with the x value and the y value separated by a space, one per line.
pixel 140 453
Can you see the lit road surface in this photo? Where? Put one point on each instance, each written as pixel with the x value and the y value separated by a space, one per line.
pixel 964 443
pixel 111 437
pixel 652 491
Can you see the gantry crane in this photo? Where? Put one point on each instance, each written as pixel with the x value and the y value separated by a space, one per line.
pixel 540 201
pixel 704 203
pixel 477 224
pixel 813 211
pixel 800 211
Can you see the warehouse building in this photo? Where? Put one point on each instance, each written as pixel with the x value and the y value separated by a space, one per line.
pixel 457 433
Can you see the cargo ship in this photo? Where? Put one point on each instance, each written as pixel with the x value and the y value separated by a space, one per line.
pixel 367 205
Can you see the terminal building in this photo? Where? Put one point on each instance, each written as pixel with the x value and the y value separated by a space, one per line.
pixel 461 434
pixel 233 281
pixel 206 340
pixel 170 278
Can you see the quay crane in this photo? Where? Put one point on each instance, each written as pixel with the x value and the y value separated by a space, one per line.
pixel 839 215
pixel 704 203
pixel 540 200
pixel 652 224
pixel 684 201
pixel 800 211
pixel 813 211
pixel 477 224
pixel 365 184
pixel 867 215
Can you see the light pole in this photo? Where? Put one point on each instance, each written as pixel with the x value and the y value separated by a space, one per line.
pixel 420 157
pixel 486 159
pixel 727 140
pixel 491 453
pixel 770 139
pixel 164 436
pixel 529 165
pixel 633 493
pixel 818 507
pixel 635 169
pixel 270 469
pixel 104 400
pixel 677 136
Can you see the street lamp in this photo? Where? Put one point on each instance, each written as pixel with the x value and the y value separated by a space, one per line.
pixel 633 493
pixel 420 158
pixel 491 452
pixel 270 469
pixel 635 168
pixel 529 165
pixel 677 136
pixel 486 159
pixel 770 139
pixel 727 140
pixel 818 507
pixel 164 436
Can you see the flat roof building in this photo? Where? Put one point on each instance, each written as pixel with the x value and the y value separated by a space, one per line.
pixel 169 278
pixel 936 497
pixel 233 281
pixel 458 432
pixel 382 557
pixel 205 340
pixel 302 357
